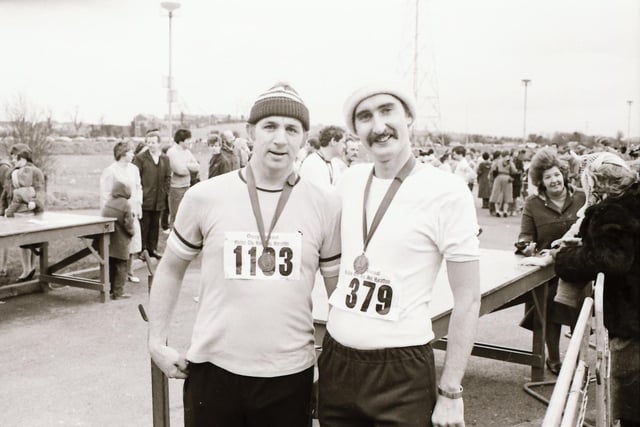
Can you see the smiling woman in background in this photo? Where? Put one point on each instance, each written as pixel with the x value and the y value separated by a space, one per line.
pixel 546 217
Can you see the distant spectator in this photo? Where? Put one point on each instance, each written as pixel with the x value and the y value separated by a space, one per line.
pixel 445 162
pixel 224 159
pixel 5 192
pixel 462 168
pixel 352 150
pixel 27 181
pixel 243 150
pixel 124 171
pixel 5 184
pixel 24 169
pixel 502 191
pixel 318 166
pixel 183 163
pixel 165 225
pixel 118 207
pixel 495 157
pixel 310 146
pixel 155 175
pixel 516 185
pixel 484 182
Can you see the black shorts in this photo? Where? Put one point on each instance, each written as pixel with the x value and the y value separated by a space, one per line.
pixel 387 387
pixel 216 397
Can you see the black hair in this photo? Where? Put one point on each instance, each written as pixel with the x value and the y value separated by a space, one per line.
pixel 182 135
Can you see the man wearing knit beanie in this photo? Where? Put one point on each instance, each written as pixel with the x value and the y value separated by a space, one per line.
pixel 263 233
pixel 399 220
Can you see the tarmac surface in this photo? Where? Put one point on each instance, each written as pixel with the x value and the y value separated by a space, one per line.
pixel 68 360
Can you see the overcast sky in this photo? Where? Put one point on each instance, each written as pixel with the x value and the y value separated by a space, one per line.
pixel 107 58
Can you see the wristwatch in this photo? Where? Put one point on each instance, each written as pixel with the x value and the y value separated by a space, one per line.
pixel 450 394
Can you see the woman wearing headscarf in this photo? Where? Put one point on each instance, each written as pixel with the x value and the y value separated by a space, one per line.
pixel 546 217
pixel 610 233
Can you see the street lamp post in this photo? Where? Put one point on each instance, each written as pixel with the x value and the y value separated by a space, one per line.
pixel 525 82
pixel 629 102
pixel 170 6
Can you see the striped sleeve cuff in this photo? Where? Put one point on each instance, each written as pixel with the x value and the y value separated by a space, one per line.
pixel 182 247
pixel 330 266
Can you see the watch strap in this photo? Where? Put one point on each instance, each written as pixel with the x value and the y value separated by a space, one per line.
pixel 450 394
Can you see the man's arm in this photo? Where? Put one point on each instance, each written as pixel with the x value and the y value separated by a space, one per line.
pixel 177 162
pixel 465 286
pixel 330 284
pixel 192 163
pixel 162 302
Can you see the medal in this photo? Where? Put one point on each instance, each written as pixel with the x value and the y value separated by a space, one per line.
pixel 267 262
pixel 361 264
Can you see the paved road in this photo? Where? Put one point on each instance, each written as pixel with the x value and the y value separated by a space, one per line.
pixel 68 360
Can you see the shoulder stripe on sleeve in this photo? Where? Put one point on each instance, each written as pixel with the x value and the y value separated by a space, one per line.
pixel 185 241
pixel 330 258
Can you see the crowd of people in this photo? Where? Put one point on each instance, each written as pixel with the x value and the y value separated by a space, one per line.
pixel 282 205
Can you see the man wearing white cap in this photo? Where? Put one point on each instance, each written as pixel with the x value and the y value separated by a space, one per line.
pixel 263 232
pixel 400 219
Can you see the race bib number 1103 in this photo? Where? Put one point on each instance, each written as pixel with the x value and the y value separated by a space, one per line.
pixel 242 252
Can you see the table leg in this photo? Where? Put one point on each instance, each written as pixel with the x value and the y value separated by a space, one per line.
pixel 539 295
pixel 103 251
pixel 44 264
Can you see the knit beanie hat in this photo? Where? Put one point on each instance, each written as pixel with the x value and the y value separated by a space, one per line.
pixel 280 100
pixel 372 89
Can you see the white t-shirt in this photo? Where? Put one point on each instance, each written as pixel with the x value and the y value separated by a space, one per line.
pixel 318 170
pixel 431 218
pixel 248 323
pixel 465 171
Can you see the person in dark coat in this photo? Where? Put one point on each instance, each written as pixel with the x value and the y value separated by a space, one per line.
pixel 118 207
pixel 610 233
pixel 5 199
pixel 155 175
pixel 224 159
pixel 484 181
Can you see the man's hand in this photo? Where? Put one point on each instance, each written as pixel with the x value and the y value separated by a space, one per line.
pixel 448 413
pixel 170 361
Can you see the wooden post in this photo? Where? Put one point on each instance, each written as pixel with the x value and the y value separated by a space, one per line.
pixel 159 381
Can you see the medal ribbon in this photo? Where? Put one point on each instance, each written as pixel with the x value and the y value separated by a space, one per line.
pixel 255 203
pixel 329 166
pixel 386 200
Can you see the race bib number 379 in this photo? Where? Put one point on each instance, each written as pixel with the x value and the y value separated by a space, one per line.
pixel 242 252
pixel 369 294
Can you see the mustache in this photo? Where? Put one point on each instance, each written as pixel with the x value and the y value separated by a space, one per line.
pixel 388 132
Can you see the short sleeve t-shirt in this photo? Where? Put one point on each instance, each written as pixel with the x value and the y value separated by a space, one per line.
pixel 250 323
pixel 431 218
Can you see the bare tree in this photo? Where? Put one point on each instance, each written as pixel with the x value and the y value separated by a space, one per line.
pixel 33 126
pixel 75 119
